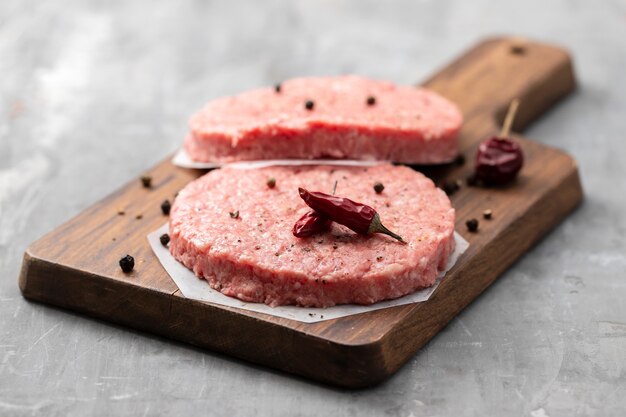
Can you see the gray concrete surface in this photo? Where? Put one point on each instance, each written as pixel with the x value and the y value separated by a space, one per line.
pixel 93 93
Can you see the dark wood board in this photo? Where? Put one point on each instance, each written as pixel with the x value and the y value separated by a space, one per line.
pixel 75 266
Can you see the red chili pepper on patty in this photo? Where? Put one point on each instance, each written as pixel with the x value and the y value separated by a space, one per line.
pixel 310 224
pixel 358 217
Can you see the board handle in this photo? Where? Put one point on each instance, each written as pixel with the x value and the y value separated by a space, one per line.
pixel 487 78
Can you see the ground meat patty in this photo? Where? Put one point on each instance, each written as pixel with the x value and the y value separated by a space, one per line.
pixel 404 124
pixel 235 231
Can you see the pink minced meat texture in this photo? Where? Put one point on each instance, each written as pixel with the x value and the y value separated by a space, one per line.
pixel 256 258
pixel 406 124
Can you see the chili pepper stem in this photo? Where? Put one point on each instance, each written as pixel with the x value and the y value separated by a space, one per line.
pixel 508 120
pixel 376 226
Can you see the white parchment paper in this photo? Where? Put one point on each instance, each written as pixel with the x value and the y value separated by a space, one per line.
pixel 183 160
pixel 198 289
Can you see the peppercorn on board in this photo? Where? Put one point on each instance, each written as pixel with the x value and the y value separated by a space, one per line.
pixel 76 265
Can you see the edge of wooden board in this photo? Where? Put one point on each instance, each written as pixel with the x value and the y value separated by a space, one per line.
pixel 566 197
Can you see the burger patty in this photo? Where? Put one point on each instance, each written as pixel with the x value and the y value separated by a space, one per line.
pixel 346 117
pixel 235 231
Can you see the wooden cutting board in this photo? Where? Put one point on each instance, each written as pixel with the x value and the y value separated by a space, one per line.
pixel 76 265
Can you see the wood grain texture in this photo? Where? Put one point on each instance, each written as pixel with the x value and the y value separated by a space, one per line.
pixel 75 266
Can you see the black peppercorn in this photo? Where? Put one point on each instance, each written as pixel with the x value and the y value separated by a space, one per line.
pixel 518 50
pixel 234 214
pixel 472 225
pixel 379 187
pixel 146 181
pixel 165 239
pixel 165 207
pixel 309 105
pixel 127 263
pixel 271 182
pixel 450 187
pixel 278 87
pixel 371 100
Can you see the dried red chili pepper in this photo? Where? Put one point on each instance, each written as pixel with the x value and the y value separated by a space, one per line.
pixel 358 217
pixel 310 224
pixel 499 159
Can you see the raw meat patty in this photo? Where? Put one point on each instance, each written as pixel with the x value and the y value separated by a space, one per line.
pixel 256 258
pixel 405 124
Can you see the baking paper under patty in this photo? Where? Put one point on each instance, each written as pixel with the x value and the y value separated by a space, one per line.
pixel 198 289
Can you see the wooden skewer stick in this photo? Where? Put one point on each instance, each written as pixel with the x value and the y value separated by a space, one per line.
pixel 508 120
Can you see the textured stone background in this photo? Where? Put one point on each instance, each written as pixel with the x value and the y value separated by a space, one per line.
pixel 91 94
